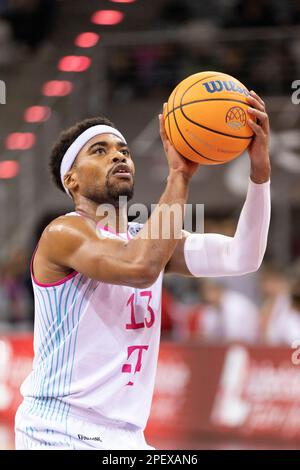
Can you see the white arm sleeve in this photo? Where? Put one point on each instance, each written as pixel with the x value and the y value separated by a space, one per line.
pixel 216 255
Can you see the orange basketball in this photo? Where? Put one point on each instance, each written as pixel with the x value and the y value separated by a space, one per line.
pixel 206 118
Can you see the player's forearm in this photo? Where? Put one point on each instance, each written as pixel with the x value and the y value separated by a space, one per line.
pixel 157 240
pixel 250 240
pixel 217 255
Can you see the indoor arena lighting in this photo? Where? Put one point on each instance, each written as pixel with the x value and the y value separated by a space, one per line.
pixel 20 141
pixel 57 88
pixel 74 63
pixel 9 169
pixel 107 17
pixel 87 39
pixel 37 114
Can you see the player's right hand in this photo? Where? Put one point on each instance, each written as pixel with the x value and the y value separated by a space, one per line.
pixel 259 148
pixel 177 163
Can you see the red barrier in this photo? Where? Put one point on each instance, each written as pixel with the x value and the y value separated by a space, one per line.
pixel 16 353
pixel 234 390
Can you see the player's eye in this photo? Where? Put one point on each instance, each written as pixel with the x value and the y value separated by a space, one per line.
pixel 100 150
pixel 125 152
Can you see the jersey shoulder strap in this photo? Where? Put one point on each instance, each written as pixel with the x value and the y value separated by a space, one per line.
pixel 134 228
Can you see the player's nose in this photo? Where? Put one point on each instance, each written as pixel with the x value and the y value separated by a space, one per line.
pixel 119 157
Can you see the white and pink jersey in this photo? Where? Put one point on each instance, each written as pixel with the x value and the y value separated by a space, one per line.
pixel 96 347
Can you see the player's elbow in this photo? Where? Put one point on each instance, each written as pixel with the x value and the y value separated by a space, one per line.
pixel 145 275
pixel 254 266
pixel 251 266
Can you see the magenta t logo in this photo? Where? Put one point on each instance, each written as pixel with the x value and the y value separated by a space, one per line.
pixel 127 368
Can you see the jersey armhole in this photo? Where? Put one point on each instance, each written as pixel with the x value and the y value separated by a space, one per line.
pixel 49 284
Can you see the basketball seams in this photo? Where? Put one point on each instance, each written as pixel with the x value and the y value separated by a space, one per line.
pixel 168 113
pixel 170 136
pixel 188 144
pixel 213 130
pixel 207 99
pixel 179 85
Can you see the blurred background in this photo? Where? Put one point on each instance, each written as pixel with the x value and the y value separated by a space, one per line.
pixel 229 345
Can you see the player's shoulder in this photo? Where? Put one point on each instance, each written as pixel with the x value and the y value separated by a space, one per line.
pixel 66 221
pixel 66 227
pixel 63 236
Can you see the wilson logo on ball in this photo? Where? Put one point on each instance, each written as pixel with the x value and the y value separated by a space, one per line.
pixel 236 118
pixel 215 86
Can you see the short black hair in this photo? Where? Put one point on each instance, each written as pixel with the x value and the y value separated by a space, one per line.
pixel 66 138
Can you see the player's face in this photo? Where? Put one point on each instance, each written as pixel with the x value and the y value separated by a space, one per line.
pixel 105 170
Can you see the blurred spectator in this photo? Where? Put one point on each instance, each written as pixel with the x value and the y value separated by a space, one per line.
pixel 293 330
pixel 4 301
pixel 121 75
pixel 179 297
pixel 225 315
pixel 3 5
pixel 276 306
pixel 31 20
pixel 281 309
pixel 295 14
pixel 145 62
pixel 168 67
pixel 15 295
pixel 252 13
pixel 6 43
pixel 166 312
pixel 289 12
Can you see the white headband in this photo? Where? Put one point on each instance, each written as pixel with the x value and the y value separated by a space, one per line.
pixel 79 143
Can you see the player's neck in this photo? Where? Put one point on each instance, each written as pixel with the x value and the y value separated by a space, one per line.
pixel 115 219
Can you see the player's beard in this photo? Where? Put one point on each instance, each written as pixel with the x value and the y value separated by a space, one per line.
pixel 111 193
pixel 114 191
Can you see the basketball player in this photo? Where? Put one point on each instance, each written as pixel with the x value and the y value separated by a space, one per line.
pixel 98 291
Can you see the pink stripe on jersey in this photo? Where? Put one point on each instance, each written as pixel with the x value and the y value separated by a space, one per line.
pixel 49 284
pixel 105 227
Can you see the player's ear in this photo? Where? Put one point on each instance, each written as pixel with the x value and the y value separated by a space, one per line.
pixel 70 179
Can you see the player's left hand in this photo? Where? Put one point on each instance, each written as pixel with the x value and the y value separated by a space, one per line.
pixel 258 150
pixel 176 161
